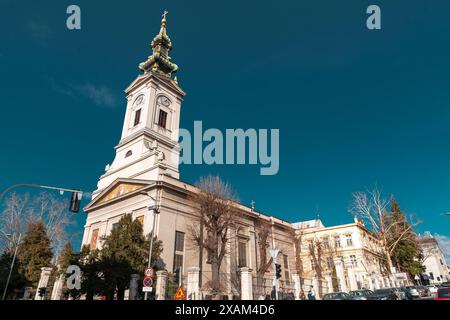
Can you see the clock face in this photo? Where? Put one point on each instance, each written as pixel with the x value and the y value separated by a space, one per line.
pixel 139 100
pixel 164 101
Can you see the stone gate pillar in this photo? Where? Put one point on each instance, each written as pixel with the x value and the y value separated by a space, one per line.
pixel 161 283
pixel 58 287
pixel 193 280
pixel 43 281
pixel 134 285
pixel 246 284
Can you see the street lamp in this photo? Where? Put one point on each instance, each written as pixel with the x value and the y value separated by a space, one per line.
pixel 12 264
pixel 155 209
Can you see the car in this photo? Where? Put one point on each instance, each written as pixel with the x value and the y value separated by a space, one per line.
pixel 363 294
pixel 413 291
pixel 423 291
pixel 386 294
pixel 433 289
pixel 443 293
pixel 405 293
pixel 445 284
pixel 337 296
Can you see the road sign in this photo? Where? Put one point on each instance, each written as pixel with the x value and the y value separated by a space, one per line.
pixel 147 289
pixel 148 282
pixel 149 272
pixel 180 295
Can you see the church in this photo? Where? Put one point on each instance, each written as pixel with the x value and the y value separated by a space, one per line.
pixel 144 177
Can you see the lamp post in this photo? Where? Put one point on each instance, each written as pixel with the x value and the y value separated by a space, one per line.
pixel 12 266
pixel 155 210
pixel 274 253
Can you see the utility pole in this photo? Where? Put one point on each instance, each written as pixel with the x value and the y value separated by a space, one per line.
pixel 155 211
pixel 11 268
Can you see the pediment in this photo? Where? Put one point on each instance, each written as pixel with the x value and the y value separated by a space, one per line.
pixel 118 189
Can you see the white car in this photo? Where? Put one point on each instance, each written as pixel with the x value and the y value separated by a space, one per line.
pixel 433 289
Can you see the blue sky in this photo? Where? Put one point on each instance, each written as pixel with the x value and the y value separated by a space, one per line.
pixel 354 107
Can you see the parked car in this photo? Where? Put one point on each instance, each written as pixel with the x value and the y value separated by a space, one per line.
pixel 363 294
pixel 337 296
pixel 433 289
pixel 443 293
pixel 386 294
pixel 406 294
pixel 423 291
pixel 413 291
pixel 445 284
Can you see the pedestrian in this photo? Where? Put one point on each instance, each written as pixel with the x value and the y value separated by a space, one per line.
pixel 290 295
pixel 267 296
pixel 302 295
pixel 311 293
pixel 273 294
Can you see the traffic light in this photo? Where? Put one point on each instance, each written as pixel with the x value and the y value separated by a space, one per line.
pixel 278 270
pixel 42 291
pixel 176 276
pixel 75 201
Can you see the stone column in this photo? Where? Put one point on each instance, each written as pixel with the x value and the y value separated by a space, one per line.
pixel 58 287
pixel 340 274
pixel 352 278
pixel 377 283
pixel 161 283
pixel 329 279
pixel 43 281
pixel 134 286
pixel 297 287
pixel 246 284
pixel 316 286
pixel 370 282
pixel 27 293
pixel 193 289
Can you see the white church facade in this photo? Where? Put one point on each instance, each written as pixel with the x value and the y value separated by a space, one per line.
pixel 144 176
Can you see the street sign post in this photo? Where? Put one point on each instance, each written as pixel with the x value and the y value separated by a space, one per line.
pixel 147 284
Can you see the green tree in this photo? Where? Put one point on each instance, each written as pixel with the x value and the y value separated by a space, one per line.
pixel 35 252
pixel 124 252
pixel 407 254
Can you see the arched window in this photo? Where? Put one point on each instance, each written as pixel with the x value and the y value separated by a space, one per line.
pixel 129 153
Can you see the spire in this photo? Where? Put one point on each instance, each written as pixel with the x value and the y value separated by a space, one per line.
pixel 159 61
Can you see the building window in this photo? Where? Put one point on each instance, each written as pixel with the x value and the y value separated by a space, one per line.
pixel 353 260
pixel 330 263
pixel 337 242
pixel 286 270
pixel 128 154
pixel 162 119
pixel 179 250
pixel 94 238
pixel 242 254
pixel 349 239
pixel 313 264
pixel 137 117
pixel 326 243
pixel 115 225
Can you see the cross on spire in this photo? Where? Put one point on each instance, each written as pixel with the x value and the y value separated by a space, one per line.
pixel 165 14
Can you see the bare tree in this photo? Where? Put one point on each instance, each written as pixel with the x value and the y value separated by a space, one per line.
pixel 372 208
pixel 21 210
pixel 214 202
pixel 263 232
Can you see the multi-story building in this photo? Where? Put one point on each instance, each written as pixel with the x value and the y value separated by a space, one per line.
pixel 437 270
pixel 347 257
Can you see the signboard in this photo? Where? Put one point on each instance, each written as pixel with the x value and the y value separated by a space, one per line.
pixel 147 289
pixel 400 276
pixel 180 295
pixel 148 282
pixel 149 272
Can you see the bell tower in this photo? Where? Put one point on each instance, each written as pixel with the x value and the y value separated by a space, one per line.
pixel 149 143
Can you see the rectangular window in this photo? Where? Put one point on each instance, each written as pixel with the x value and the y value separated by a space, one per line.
pixel 115 225
pixel 326 243
pixel 349 239
pixel 242 254
pixel 337 241
pixel 286 270
pixel 330 263
pixel 137 117
pixel 313 264
pixel 94 238
pixel 162 118
pixel 353 260
pixel 179 250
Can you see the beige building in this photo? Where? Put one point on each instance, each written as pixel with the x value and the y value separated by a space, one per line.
pixel 144 176
pixel 437 270
pixel 346 257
